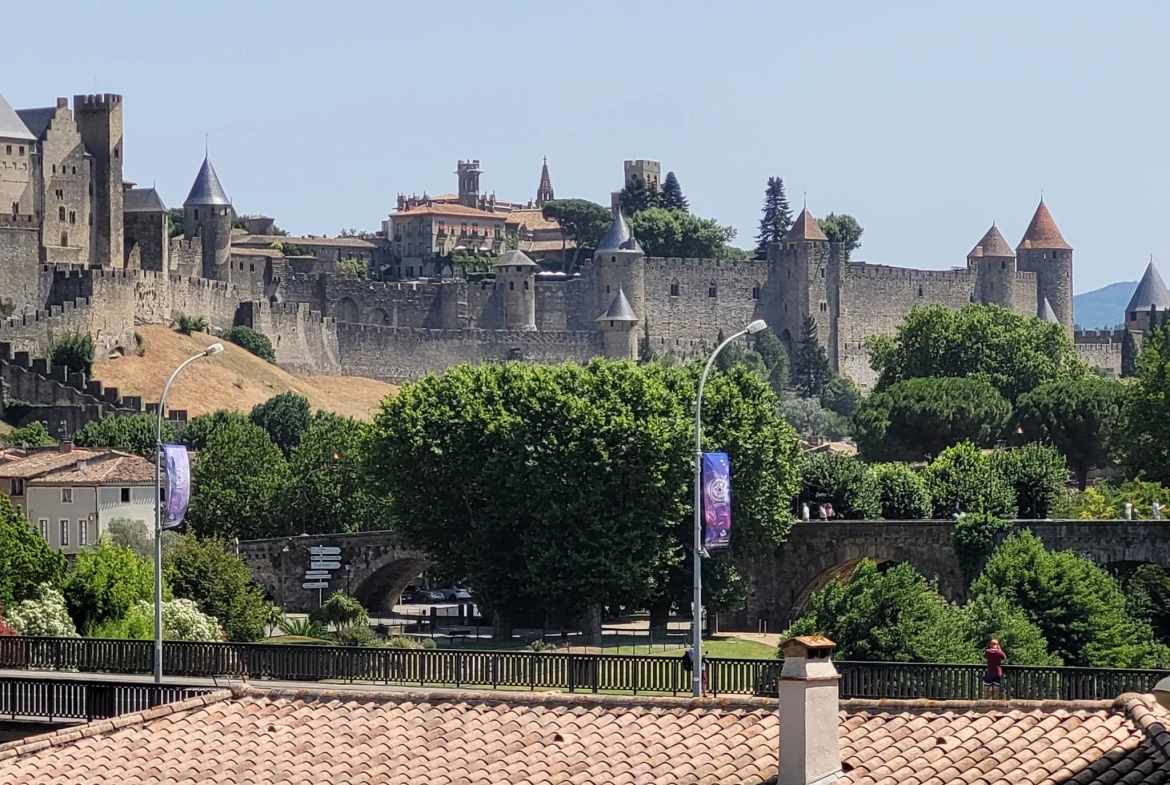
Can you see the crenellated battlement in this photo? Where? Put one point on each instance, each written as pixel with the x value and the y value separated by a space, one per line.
pixel 879 272
pixel 9 221
pixel 1098 336
pixel 97 102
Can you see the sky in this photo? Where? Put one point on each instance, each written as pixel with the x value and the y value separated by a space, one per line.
pixel 927 121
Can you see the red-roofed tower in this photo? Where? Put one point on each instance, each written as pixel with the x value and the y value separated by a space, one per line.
pixel 1044 251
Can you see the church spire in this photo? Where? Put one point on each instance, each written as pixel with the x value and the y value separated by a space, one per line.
pixel 544 192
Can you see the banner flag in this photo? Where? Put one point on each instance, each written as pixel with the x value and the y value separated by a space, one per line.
pixel 178 484
pixel 716 476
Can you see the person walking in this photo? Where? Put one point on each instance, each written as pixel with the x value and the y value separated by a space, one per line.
pixel 995 657
pixel 688 663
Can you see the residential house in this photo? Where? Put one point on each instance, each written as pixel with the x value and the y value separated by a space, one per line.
pixel 421 235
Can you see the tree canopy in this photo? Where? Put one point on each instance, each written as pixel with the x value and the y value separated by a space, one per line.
pixel 843 229
pixel 777 217
pixel 328 487
pixel 1145 443
pixel 106 581
pixel 1078 416
pixel 26 560
pixel 285 417
pixel 963 479
pixel 636 197
pixel 672 197
pixel 581 221
pixel 892 491
pixel 677 233
pixel 810 371
pixel 135 433
pixel 220 584
pixel 237 485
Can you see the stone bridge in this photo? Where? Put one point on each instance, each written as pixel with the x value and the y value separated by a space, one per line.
pixel 374 567
pixel 784 577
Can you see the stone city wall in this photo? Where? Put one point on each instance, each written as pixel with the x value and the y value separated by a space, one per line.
pixel 305 341
pixel 19 276
pixel 1024 294
pixel 694 314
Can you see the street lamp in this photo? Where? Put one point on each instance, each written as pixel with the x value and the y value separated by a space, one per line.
pixel 697 613
pixel 215 348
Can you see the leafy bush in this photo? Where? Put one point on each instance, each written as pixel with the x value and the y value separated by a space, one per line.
pixel 44 616
pixel 892 491
pixel 975 540
pixel 255 342
pixel 358 635
pixel 191 324
pixel 32 435
pixel 303 628
pixel 1037 474
pixel 341 611
pixel 26 560
pixel 809 419
pixel 182 621
pixel 832 478
pixel 220 584
pixel 963 476
pixel 841 395
pixel 106 582
pixel 403 642
pixel 74 351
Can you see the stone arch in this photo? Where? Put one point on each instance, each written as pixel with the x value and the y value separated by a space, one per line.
pixel 381 590
pixel 347 310
pixel 843 571
pixel 379 316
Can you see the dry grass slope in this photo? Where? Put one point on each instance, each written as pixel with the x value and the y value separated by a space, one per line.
pixel 234 379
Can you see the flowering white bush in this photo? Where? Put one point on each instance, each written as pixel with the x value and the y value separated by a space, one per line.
pixel 45 616
pixel 183 621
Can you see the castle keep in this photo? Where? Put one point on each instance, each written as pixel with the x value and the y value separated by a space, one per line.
pixel 83 249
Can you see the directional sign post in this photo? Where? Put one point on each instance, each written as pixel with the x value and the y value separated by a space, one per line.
pixel 323 560
pixel 316 585
pixel 325 565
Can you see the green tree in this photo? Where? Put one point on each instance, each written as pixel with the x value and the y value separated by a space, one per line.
pixel 581 221
pixel 32 435
pixel 177 218
pixel 329 489
pixel 220 584
pixel 892 491
pixel 1147 593
pixel 106 581
pixel 1014 353
pixel 777 217
pixel 44 614
pixel 199 430
pixel 132 534
pixel 674 233
pixel 1078 607
pixel 810 420
pixel 990 617
pixel 830 478
pixel 26 560
pixel 74 351
pixel 255 342
pixel 341 611
pixel 963 476
pixel 917 418
pixel 1145 435
pixel 842 229
pixel 285 417
pixel 1129 353
pixel 770 349
pixel 1037 475
pixel 841 395
pixel 1080 417
pixel 810 370
pixel 135 433
pixel 672 196
pixel 636 197
pixel 239 483
pixel 885 616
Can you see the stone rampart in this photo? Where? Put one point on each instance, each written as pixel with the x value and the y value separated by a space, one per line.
pixel 712 295
pixel 1024 300
pixel 304 340
pixel 19 253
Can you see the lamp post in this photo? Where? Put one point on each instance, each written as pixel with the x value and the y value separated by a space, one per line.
pixel 215 348
pixel 697 612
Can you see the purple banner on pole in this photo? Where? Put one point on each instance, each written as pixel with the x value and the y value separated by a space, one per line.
pixel 716 500
pixel 178 484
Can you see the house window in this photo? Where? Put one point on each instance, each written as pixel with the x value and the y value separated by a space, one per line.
pixel 17 487
pixel 125 496
pixel 1133 317
pixel 409 272
pixel 75 170
pixel 22 150
pixel 43 523
pixel 712 290
pixel 83 532
pixel 67 496
pixel 8 149
pixel 60 195
pixel 64 239
pixel 64 532
pixel 674 288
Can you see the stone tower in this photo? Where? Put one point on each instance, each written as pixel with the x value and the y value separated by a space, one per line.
pixel 1043 251
pixel 516 276
pixel 807 279
pixel 469 172
pixel 620 263
pixel 619 339
pixel 994 263
pixel 1150 296
pixel 544 191
pixel 208 216
pixel 99 121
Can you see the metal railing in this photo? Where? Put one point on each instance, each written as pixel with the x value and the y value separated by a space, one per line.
pixel 75 699
pixel 618 673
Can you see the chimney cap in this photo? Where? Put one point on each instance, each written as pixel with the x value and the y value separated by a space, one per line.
pixel 803 645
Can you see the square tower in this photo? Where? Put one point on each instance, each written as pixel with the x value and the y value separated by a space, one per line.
pixel 99 121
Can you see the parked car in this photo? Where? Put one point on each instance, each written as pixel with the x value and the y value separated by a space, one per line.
pixel 454 594
pixel 413 595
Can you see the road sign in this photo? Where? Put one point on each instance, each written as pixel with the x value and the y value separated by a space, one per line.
pixel 316 585
pixel 311 574
pixel 325 565
pixel 325 550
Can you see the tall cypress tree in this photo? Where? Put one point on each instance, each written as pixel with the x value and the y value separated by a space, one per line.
pixel 1128 356
pixel 810 370
pixel 636 197
pixel 672 196
pixel 777 218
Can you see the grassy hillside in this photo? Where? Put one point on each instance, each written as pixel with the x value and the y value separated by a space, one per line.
pixel 1104 307
pixel 234 379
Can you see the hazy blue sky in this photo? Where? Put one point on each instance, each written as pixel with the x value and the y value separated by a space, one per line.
pixel 927 121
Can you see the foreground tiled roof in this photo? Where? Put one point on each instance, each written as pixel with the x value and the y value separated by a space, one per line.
pixel 255 736
pixel 119 469
pixel 39 462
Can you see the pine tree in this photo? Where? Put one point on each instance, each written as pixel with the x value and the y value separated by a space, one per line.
pixel 636 197
pixel 810 364
pixel 777 217
pixel 672 196
pixel 1128 356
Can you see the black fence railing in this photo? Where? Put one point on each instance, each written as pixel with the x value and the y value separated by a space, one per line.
pixel 621 673
pixel 77 699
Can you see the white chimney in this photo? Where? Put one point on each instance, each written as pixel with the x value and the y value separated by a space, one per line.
pixel 810 747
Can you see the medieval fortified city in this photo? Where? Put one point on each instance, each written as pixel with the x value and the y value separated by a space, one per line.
pixel 574 484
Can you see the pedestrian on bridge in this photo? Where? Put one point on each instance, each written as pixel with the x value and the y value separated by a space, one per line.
pixel 995 657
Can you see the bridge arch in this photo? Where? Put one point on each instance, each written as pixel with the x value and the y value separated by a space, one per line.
pixel 381 590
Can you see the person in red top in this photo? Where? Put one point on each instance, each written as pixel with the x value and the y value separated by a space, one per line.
pixel 993 677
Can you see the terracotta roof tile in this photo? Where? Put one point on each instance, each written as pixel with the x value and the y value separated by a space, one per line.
pixel 1042 232
pixel 992 244
pixel 341 737
pixel 39 462
pixel 449 209
pixel 116 469
pixel 532 220
pixel 805 228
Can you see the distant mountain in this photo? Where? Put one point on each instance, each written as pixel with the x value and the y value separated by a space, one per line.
pixel 1103 307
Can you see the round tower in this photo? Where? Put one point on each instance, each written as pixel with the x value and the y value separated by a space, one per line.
pixel 516 276
pixel 620 263
pixel 207 214
pixel 994 263
pixel 1149 300
pixel 1043 251
pixel 617 323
